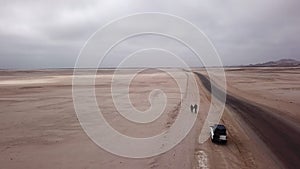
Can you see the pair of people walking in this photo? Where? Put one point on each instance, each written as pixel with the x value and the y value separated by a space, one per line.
pixel 194 108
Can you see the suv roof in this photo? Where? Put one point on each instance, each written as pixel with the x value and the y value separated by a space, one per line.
pixel 220 127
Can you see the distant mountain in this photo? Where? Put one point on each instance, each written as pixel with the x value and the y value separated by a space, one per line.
pixel 279 63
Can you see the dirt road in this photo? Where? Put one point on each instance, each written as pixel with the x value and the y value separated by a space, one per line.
pixel 280 135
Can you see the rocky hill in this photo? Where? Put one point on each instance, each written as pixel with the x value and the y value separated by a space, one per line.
pixel 279 63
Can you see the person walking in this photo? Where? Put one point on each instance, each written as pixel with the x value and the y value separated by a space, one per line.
pixel 196 108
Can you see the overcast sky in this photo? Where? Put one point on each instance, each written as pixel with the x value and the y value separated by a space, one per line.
pixel 50 33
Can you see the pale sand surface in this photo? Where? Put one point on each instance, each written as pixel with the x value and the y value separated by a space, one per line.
pixel 39 127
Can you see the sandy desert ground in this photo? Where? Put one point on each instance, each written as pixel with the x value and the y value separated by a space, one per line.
pixel 39 127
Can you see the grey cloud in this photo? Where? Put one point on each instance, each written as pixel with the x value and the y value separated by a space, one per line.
pixel 40 34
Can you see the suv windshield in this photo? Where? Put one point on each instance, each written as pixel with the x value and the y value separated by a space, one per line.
pixel 220 129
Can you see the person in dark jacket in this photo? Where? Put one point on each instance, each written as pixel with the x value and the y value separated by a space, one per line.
pixel 194 108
